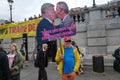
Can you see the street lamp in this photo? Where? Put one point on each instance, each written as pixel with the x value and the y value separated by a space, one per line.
pixel 94 5
pixel 10 5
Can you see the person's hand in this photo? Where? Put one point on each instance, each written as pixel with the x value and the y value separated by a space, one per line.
pixel 61 56
pixel 11 69
pixel 73 73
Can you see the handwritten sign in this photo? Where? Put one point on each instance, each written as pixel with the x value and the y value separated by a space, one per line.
pixel 59 32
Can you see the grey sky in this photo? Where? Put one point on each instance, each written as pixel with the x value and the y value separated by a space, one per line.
pixel 25 8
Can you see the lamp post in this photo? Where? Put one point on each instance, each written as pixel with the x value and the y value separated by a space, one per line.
pixel 10 5
pixel 94 5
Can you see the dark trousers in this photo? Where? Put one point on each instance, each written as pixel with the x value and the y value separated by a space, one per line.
pixel 116 65
pixel 42 74
pixel 15 77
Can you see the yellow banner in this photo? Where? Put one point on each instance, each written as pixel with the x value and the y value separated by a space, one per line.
pixel 16 30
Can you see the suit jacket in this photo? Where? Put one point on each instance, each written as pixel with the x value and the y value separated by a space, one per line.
pixel 4 66
pixel 68 20
pixel 44 24
pixel 41 60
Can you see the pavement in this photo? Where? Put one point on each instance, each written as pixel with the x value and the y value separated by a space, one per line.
pixel 29 72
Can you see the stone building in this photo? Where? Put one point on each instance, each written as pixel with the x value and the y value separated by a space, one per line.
pixel 99 33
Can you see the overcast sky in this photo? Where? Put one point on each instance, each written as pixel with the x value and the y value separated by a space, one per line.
pixel 25 8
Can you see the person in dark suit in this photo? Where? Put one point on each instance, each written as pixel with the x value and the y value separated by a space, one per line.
pixel 4 65
pixel 62 12
pixel 48 14
pixel 42 61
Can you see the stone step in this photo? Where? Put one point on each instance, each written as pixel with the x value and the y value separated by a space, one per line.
pixel 108 60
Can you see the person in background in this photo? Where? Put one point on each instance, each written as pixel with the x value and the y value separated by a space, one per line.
pixel 41 62
pixel 116 64
pixel 15 62
pixel 118 11
pixel 68 60
pixel 2 48
pixel 22 50
pixel 81 56
pixel 113 13
pixel 75 45
pixel 23 56
pixel 4 65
